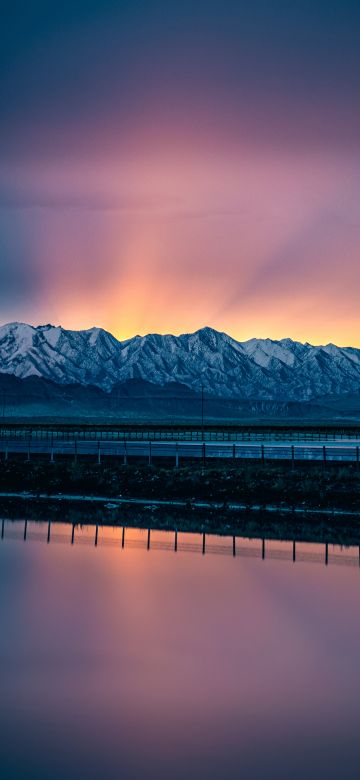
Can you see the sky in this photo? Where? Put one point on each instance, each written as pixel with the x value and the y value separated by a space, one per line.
pixel 168 165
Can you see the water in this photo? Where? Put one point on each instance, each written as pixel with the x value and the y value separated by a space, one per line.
pixel 136 663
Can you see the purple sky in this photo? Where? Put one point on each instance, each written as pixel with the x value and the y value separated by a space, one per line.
pixel 169 165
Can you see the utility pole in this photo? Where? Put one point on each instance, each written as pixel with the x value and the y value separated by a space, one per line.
pixel 3 414
pixel 202 412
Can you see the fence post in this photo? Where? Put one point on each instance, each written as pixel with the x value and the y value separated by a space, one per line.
pixel 177 455
pixel 123 537
pixel 263 549
pixel 148 539
pixel 324 455
pixel 52 448
pixel 125 454
pixel 73 534
pixel 262 454
pixel 292 456
pixel 234 451
pixel 176 541
pixel 25 530
pixel 6 450
pixel 203 454
pixel 203 545
pixel 96 534
pixel 234 546
pixel 326 554
pixel 49 531
pixel 3 530
pixel 294 551
pixel 99 454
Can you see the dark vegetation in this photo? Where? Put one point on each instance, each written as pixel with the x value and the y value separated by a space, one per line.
pixel 308 485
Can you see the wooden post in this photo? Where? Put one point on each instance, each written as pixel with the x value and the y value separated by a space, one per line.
pixel 176 541
pixel 326 554
pixel 3 530
pixel 148 539
pixel 96 534
pixel 49 530
pixel 234 546
pixel 263 549
pixel 99 454
pixel 203 545
pixel 294 551
pixel 73 534
pixel 123 537
pixel 25 530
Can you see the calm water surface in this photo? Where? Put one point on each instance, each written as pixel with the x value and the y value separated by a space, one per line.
pixel 137 663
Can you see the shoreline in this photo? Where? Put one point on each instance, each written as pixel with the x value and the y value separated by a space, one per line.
pixel 310 502
pixel 171 515
pixel 111 501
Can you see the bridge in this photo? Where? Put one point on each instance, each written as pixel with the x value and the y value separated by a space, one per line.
pixel 154 451
pixel 180 442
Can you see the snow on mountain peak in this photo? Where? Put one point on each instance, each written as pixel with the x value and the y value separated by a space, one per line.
pixel 257 368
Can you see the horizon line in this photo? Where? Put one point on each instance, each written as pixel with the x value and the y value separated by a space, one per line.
pixel 177 335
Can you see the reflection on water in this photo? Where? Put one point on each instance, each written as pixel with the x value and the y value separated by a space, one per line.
pixel 125 537
pixel 135 658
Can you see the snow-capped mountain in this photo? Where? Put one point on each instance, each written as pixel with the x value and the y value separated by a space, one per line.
pixel 254 369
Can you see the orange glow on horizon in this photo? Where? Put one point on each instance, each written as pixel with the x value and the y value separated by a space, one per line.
pixel 255 245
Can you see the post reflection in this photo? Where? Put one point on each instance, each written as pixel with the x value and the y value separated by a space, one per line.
pixel 126 537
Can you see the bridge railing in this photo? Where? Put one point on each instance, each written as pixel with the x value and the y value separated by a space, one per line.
pixel 150 450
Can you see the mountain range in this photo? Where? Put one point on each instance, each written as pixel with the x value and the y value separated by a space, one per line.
pixel 257 371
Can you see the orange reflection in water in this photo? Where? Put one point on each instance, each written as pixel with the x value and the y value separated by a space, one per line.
pixel 156 663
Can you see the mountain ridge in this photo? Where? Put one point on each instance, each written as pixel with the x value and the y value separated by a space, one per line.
pixel 138 400
pixel 265 369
